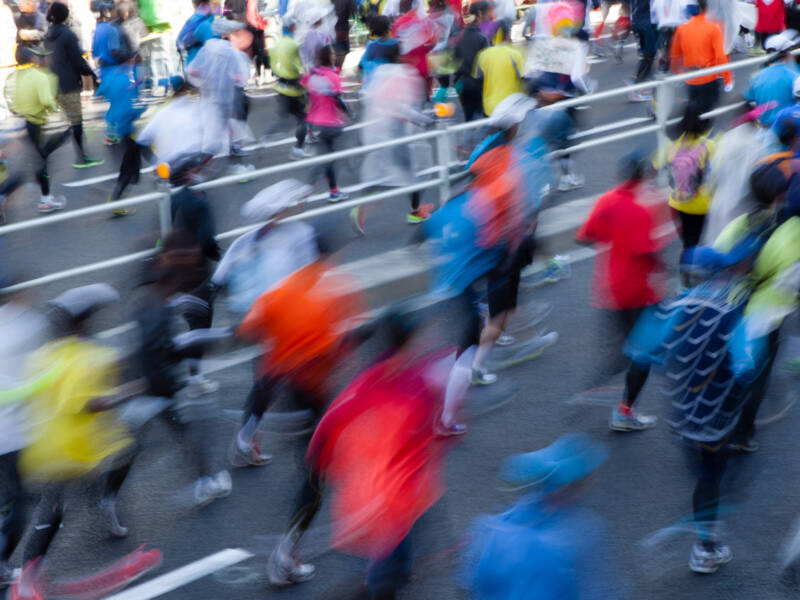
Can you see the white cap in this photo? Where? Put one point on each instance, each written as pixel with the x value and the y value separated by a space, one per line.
pixel 782 41
pixel 271 200
pixel 82 301
pixel 511 110
pixel 223 27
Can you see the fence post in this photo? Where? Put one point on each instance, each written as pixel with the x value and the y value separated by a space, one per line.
pixel 443 157
pixel 165 209
pixel 665 99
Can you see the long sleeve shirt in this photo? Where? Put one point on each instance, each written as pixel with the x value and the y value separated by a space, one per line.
pixel 698 45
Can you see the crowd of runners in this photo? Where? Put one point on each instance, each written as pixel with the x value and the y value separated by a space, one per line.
pixel 374 451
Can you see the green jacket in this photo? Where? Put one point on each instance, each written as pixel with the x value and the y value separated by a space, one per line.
pixel 33 94
pixel 285 62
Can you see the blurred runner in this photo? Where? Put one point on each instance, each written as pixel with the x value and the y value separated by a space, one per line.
pixel 378 450
pixel 668 16
pixel 698 44
pixel 544 546
pixel 327 113
pixel 468 46
pixel 500 68
pixel 68 65
pixel 33 96
pixel 381 49
pixel 628 276
pixel 197 30
pixel 774 85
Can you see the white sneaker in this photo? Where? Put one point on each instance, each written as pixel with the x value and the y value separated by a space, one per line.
pixel 482 377
pixel 200 386
pixel 505 340
pixel 243 170
pixel 51 203
pixel 570 182
pixel 283 570
pixel 708 561
pixel 208 489
pixel 299 153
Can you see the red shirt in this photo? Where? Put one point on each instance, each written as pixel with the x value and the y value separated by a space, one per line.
pixel 771 16
pixel 628 274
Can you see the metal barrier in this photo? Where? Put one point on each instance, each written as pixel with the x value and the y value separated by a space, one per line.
pixel 442 134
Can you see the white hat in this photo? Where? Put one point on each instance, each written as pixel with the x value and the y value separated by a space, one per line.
pixel 223 27
pixel 80 302
pixel 782 41
pixel 511 110
pixel 271 200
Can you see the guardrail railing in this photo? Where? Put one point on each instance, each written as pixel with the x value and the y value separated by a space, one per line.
pixel 442 170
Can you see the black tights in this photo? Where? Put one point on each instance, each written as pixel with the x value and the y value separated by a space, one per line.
pixel 129 167
pixel 13 505
pixel 710 467
pixel 44 148
pixel 328 137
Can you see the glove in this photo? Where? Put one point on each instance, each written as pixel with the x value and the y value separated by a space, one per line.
pixel 728 87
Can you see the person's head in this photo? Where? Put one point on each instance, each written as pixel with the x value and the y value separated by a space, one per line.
pixel 438 5
pixel 702 5
pixel 769 180
pixel 58 13
pixel 202 3
pixel 107 10
pixel 787 133
pixel 326 56
pixel 125 10
pixel 634 166
pixel 26 6
pixel 693 123
pixel 405 6
pixel 380 26
pixel 505 31
pixel 480 11
pixel 290 25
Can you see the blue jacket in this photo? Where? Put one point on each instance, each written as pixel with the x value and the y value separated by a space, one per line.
pixel 773 84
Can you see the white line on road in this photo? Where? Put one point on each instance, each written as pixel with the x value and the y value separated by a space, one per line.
pixel 183 576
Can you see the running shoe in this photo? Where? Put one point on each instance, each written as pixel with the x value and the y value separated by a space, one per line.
pixel 505 340
pixel 199 385
pixel 422 214
pixel 337 196
pixel 702 560
pixel 108 508
pixel 7 574
pixel 597 49
pixel 745 446
pixel 299 153
pixel 50 203
pixel 111 140
pixel 26 584
pixel 242 170
pixel 239 151
pixel 453 430
pixel 640 96
pixel 482 377
pixel 571 181
pixel 632 421
pixel 208 489
pixel 284 570
pixel 251 457
pixel 357 220
pixel 502 358
pixel 88 162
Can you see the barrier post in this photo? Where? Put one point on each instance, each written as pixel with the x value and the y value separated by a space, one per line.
pixel 165 208
pixel 443 158
pixel 665 99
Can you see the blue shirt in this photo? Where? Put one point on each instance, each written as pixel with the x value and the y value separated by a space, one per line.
pixel 378 52
pixel 773 84
pixel 107 39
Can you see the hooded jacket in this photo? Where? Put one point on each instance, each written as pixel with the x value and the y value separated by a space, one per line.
pixel 67 62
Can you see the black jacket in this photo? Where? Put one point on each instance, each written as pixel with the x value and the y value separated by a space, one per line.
pixel 471 42
pixel 66 61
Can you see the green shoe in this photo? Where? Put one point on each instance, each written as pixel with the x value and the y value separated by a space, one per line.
pixel 88 162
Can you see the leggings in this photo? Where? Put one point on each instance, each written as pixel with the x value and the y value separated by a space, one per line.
pixel 327 137
pixel 746 428
pixel 295 107
pixel 129 167
pixel 44 148
pixel 691 227
pixel 648 39
pixel 709 467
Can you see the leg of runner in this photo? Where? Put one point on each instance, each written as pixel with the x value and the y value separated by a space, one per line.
pixel 128 173
pixel 327 138
pixel 244 450
pixel 295 107
pixel 48 203
pixel 108 503
pixel 708 553
pixel 13 526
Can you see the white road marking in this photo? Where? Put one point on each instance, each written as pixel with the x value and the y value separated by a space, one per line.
pixel 183 576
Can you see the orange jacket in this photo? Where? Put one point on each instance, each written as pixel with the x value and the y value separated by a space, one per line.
pixel 698 45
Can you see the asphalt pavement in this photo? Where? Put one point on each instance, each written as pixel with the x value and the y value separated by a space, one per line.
pixel 644 488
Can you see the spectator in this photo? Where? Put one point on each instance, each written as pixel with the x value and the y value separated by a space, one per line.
pixel 770 20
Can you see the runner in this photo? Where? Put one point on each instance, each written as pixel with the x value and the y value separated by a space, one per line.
pixel 647 34
pixel 774 85
pixel 327 113
pixel 468 47
pixel 500 68
pixel 628 276
pixel 196 31
pixel 69 66
pixel 698 44
pixel 33 96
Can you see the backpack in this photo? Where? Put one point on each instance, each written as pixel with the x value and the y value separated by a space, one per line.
pixel 186 37
pixel 687 171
